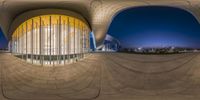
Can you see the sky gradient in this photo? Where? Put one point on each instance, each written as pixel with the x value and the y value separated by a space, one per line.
pixel 3 40
pixel 156 26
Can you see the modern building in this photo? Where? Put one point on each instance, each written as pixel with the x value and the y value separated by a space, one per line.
pixel 57 31
pixel 51 39
pixel 110 44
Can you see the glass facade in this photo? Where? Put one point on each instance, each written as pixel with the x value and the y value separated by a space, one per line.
pixel 51 40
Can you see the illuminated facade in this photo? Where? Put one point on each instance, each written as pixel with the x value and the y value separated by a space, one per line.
pixel 51 40
pixel 110 44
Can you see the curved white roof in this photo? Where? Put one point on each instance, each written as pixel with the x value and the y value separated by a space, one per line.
pixel 98 13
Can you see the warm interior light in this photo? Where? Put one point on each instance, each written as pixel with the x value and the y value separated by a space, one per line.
pixel 51 39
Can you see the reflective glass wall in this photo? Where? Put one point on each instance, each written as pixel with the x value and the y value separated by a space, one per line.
pixel 51 40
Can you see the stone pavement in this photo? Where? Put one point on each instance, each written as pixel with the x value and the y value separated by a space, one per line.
pixel 103 76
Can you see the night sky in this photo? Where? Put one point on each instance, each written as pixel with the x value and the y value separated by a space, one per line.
pixel 156 26
pixel 3 40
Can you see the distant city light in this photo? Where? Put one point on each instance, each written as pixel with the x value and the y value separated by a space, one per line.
pixel 140 48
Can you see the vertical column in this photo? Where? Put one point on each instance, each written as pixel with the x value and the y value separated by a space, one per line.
pixel 13 44
pixel 45 43
pixel 50 37
pixel 53 45
pixel 78 39
pixel 36 42
pixel 34 33
pixel 85 40
pixel 26 42
pixel 32 41
pixel 17 41
pixel 43 36
pixel 60 28
pixel 15 47
pixel 40 40
pixel 82 40
pixel 74 55
pixel 64 40
pixel 46 57
pixel 18 46
pixel 22 41
pixel 57 40
pixel 69 40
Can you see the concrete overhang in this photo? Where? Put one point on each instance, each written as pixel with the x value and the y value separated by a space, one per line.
pixel 98 13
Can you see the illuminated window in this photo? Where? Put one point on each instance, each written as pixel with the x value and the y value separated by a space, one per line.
pixel 51 40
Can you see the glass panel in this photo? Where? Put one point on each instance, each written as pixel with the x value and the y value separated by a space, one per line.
pixel 51 40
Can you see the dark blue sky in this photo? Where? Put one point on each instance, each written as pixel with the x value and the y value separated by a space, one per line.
pixel 3 40
pixel 156 26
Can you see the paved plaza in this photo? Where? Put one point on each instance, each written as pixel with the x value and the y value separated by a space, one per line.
pixel 104 76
